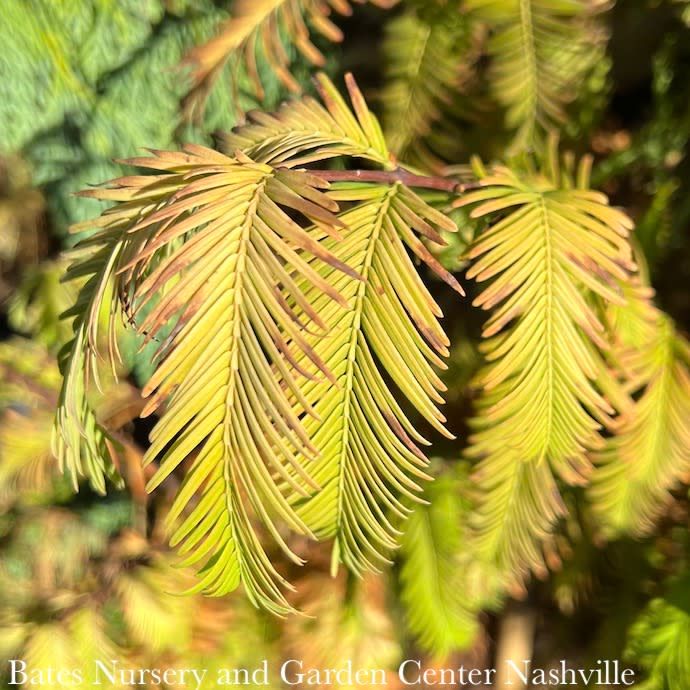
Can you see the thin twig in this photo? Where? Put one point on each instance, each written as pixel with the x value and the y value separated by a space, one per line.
pixel 442 184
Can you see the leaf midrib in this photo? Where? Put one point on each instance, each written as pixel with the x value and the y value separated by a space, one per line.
pixel 531 60
pixel 663 385
pixel 436 568
pixel 413 78
pixel 233 356
pixel 355 329
pixel 252 24
pixel 548 320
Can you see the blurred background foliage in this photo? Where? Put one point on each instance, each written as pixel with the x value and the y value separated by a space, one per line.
pixel 87 82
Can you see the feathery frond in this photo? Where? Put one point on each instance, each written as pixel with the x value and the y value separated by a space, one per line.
pixel 345 621
pixel 555 244
pixel 72 643
pixel 206 231
pixel 427 56
pixel 359 417
pixel 304 131
pixel 216 246
pixel 367 447
pixel 659 641
pixel 83 446
pixel 368 450
pixel 90 641
pixel 48 646
pixel 30 381
pixel 155 617
pixel 30 377
pixel 26 460
pixel 649 455
pixel 541 50
pixel 438 604
pixel 38 303
pixel 269 28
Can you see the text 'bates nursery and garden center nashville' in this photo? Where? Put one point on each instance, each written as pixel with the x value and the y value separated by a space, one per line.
pixel 294 672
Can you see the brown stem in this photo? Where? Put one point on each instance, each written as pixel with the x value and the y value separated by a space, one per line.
pixel 442 184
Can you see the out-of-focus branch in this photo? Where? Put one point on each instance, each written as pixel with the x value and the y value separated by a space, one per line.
pixel 515 644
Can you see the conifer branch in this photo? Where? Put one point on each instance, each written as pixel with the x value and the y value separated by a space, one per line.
pixel 442 184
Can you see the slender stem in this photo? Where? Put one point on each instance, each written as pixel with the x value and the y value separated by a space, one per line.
pixel 442 184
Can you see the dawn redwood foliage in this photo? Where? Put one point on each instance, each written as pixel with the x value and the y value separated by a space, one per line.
pixel 274 300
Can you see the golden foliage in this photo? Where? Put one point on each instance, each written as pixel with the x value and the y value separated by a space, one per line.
pixel 304 131
pixel 369 454
pixel 428 56
pixel 269 27
pixel 555 244
pixel 649 455
pixel 541 51
pixel 435 572
pixel 346 622
pixel 247 259
pixel 28 392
